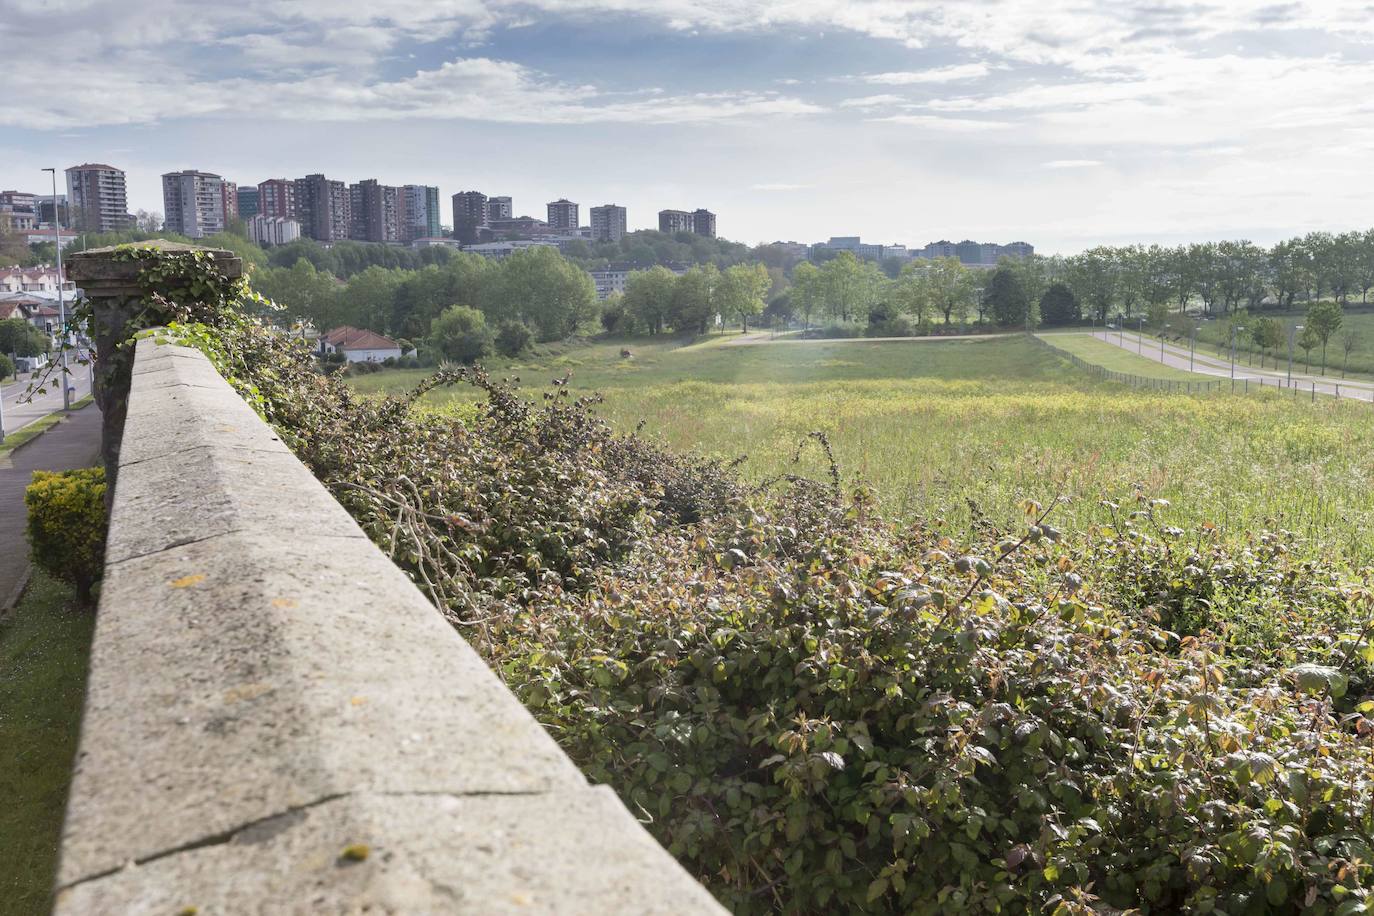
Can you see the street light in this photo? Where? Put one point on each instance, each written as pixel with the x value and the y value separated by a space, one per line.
pixel 1140 335
pixel 1234 329
pixel 1291 331
pixel 61 304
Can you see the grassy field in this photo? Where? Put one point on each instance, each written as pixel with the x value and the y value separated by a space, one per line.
pixel 1357 318
pixel 1109 356
pixel 43 651
pixel 948 429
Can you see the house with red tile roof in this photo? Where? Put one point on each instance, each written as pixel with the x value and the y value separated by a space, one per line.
pixel 359 345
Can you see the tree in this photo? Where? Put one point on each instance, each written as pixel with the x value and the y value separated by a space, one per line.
pixel 1323 320
pixel 1059 306
pixel 741 291
pixel 147 221
pixel 693 303
pixel 1289 271
pixel 513 338
pixel 911 293
pixel 649 297
pixel 368 299
pixel 850 285
pixel 19 338
pixel 951 288
pixel 1006 301
pixel 541 288
pixel 1350 339
pixel 1307 342
pixel 304 292
pixel 461 334
pixel 807 294
pixel 6 367
pixel 1092 276
pixel 1267 335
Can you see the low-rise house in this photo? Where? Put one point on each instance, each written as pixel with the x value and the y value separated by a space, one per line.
pixel 359 345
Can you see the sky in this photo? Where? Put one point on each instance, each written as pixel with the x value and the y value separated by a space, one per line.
pixel 1064 124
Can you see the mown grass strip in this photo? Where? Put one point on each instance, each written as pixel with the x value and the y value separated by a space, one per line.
pixel 44 649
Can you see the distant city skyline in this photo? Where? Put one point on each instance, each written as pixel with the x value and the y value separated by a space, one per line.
pixel 1070 123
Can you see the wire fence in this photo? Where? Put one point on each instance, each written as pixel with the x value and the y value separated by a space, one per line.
pixel 1308 388
pixel 1138 381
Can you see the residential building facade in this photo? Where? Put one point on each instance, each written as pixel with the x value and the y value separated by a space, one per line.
pixel 323 208
pixel 277 197
pixel 562 214
pixel 608 223
pixel 671 221
pixel 375 211
pixel 704 223
pixel 499 208
pixel 98 198
pixel 247 202
pixel 273 230
pixel 419 212
pixel 469 216
pixel 193 203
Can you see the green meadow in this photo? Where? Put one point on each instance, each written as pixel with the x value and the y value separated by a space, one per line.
pixel 955 430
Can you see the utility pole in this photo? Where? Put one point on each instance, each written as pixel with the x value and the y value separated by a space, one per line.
pixel 1140 335
pixel 1192 345
pixel 1291 331
pixel 1234 329
pixel 61 303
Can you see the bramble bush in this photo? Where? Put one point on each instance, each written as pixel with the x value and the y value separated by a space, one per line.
pixel 817 710
pixel 66 526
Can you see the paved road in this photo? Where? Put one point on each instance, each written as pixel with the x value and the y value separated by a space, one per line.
pixel 764 337
pixel 1249 376
pixel 74 443
pixel 19 412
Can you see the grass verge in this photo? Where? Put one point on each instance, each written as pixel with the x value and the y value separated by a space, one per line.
pixel 1116 359
pixel 44 649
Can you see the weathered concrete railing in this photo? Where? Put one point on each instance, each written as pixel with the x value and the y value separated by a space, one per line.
pixel 278 721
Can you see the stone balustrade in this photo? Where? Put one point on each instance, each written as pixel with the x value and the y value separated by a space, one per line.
pixel 278 721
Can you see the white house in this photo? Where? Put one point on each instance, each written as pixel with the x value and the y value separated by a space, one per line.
pixel 359 346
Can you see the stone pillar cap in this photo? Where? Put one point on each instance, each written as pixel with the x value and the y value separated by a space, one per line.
pixel 98 273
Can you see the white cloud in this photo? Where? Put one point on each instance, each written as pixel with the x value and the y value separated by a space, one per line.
pixel 936 122
pixel 778 186
pixel 948 74
pixel 476 89
pixel 872 101
pixel 1071 163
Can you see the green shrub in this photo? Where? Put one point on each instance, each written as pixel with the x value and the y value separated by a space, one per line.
pixel 461 334
pixel 819 711
pixel 6 367
pixel 513 338
pixel 66 525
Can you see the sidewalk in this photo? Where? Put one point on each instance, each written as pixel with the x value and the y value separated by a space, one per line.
pixel 73 443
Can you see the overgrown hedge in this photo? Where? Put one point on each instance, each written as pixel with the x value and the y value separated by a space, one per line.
pixel 819 711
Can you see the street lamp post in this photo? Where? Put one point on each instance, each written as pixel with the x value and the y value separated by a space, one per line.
pixel 1291 331
pixel 61 304
pixel 1192 345
pixel 1234 329
pixel 1140 335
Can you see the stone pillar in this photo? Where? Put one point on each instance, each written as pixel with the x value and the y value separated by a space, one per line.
pixel 116 298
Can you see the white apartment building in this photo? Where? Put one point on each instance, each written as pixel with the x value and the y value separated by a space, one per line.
pixel 608 223
pixel 194 203
pixel 273 230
